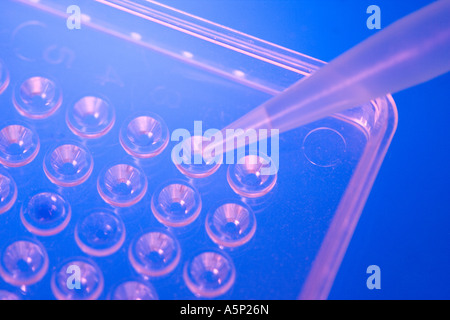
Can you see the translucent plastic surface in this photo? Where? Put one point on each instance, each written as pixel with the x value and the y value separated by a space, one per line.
pixel 4 77
pixel 96 182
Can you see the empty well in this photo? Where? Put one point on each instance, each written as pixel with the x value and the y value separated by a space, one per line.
pixel 37 98
pixel 154 254
pixel 23 263
pixel 176 204
pixel 248 179
pixel 190 159
pixel 231 224
pixel 134 290
pixel 19 145
pixel 68 164
pixel 122 185
pixel 46 214
pixel 144 136
pixel 209 274
pixel 100 233
pixel 90 117
pixel 87 285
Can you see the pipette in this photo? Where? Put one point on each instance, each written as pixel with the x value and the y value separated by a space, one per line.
pixel 411 51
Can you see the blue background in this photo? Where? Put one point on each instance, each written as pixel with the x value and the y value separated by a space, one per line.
pixel 404 227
